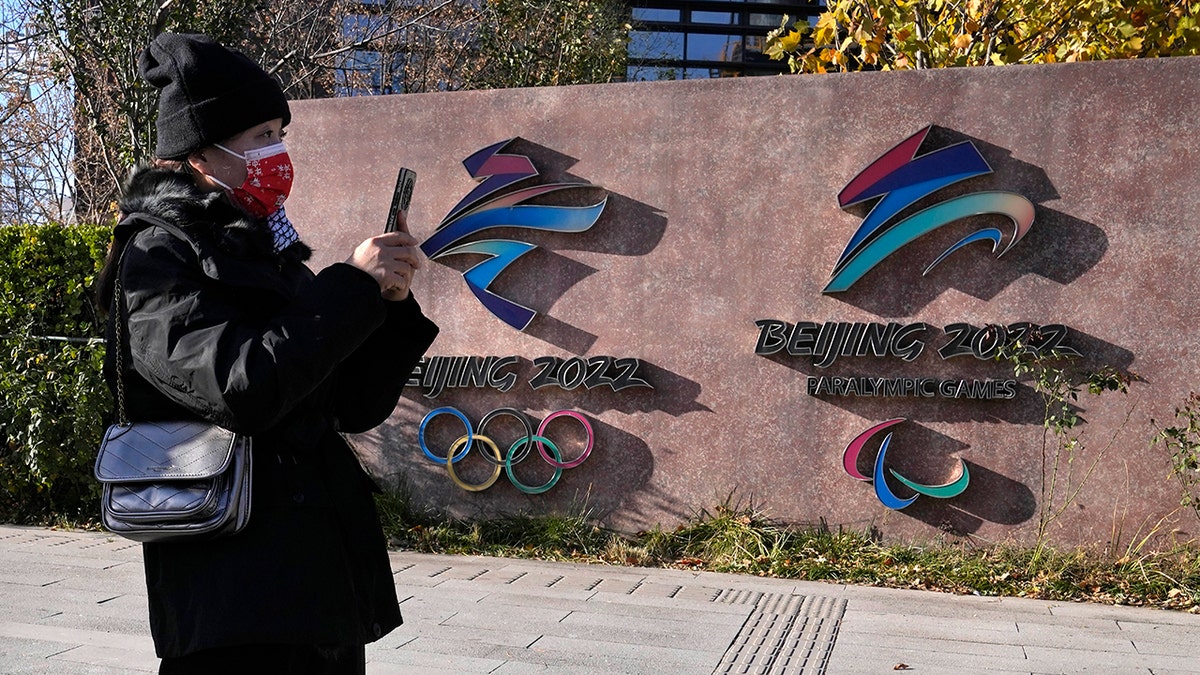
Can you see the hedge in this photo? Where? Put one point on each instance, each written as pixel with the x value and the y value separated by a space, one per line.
pixel 53 401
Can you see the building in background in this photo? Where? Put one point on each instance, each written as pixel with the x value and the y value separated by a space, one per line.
pixel 691 39
pixel 669 40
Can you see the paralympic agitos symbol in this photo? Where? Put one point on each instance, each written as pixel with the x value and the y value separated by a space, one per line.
pixel 482 209
pixel 899 179
pixel 879 480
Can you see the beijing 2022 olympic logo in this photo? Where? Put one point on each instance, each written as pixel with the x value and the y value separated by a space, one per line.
pixel 516 453
pixel 486 208
pixel 900 178
pixel 879 480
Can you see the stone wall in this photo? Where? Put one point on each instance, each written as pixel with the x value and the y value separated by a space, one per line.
pixel 722 210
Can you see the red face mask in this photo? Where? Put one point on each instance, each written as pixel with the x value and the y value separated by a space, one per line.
pixel 268 180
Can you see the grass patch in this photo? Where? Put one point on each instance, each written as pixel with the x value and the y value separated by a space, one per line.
pixel 743 540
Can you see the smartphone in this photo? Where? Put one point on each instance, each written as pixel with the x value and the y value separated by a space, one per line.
pixel 401 198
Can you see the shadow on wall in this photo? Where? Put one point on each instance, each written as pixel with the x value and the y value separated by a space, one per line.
pixel 991 497
pixel 1058 247
pixel 926 456
pixel 542 276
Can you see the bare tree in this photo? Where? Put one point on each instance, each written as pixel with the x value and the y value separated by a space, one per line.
pixel 35 126
pixel 350 47
pixel 317 48
pixel 96 45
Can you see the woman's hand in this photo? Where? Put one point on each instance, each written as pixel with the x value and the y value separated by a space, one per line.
pixel 391 259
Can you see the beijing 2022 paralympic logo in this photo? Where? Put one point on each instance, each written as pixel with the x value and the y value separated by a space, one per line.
pixel 897 180
pixel 900 178
pixel 877 478
pixel 484 209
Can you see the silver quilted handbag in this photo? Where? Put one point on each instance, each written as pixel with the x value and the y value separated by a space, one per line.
pixel 170 480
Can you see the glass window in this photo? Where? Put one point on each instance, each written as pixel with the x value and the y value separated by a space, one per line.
pixel 355 26
pixel 723 18
pixel 655 45
pixel 652 73
pixel 360 73
pixel 682 42
pixel 644 14
pixel 752 49
pixel 712 47
pixel 772 20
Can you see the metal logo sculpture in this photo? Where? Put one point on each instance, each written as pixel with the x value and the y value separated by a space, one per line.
pixel 517 452
pixel 878 479
pixel 483 209
pixel 899 179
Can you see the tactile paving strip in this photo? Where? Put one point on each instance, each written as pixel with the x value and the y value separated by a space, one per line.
pixel 784 634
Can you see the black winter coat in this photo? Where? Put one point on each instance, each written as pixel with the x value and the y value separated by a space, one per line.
pixel 221 328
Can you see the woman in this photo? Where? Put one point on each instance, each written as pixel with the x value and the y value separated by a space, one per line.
pixel 226 323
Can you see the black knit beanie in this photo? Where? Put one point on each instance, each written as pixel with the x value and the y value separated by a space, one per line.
pixel 207 93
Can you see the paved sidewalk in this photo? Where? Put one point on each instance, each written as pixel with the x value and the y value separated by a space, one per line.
pixel 74 602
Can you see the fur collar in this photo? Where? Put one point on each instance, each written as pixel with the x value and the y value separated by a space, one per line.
pixel 172 196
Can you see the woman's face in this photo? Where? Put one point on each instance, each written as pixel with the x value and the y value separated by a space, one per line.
pixel 231 170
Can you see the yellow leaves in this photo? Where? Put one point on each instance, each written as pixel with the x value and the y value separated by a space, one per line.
pixel 826 29
pixel 779 45
pixel 783 41
pixel 901 34
pixel 791 41
pixel 833 56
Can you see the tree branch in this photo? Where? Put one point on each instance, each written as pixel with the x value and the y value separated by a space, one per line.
pixel 366 41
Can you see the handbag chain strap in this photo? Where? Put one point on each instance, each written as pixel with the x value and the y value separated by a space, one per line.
pixel 118 302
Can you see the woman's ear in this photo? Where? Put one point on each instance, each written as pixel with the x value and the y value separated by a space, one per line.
pixel 203 169
pixel 198 161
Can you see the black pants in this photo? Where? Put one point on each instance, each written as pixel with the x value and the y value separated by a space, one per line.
pixel 282 659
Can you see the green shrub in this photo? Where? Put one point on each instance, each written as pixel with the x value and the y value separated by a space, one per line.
pixel 1183 442
pixel 53 400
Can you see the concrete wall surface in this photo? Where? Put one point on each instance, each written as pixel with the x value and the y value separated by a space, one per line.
pixel 722 209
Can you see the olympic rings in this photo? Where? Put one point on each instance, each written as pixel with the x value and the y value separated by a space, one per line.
pixel 462 440
pixel 425 422
pixel 557 461
pixel 508 468
pixel 517 452
pixel 522 418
